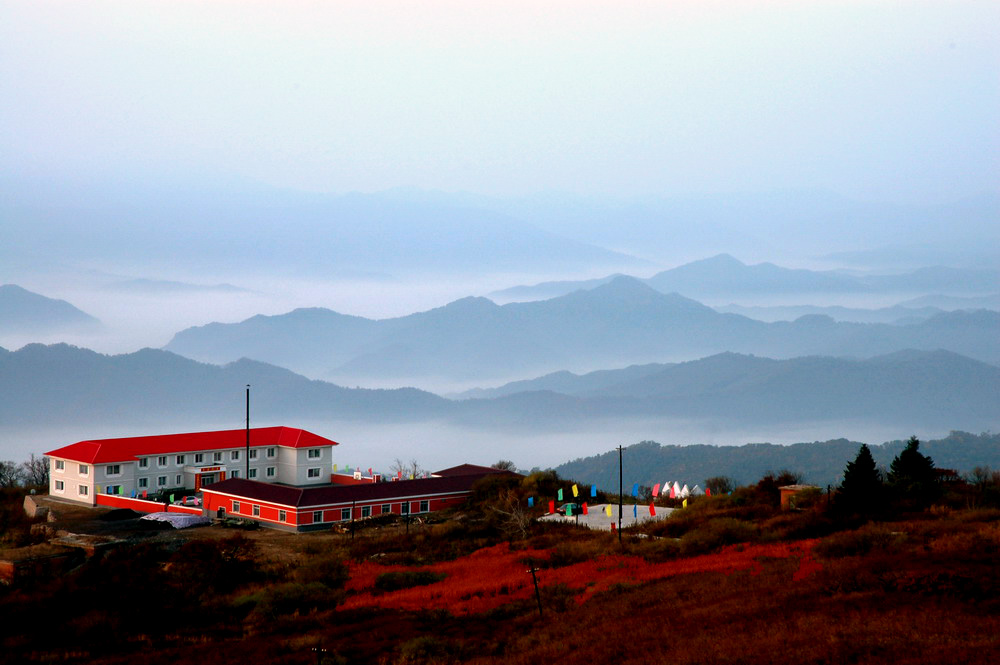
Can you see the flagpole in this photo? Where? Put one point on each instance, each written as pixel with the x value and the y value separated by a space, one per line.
pixel 619 494
pixel 247 476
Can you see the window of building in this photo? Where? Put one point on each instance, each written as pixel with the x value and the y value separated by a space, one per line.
pixel 269 472
pixel 314 453
pixel 161 481
pixel 256 510
pixel 317 516
pixel 178 480
pixel 236 506
pixel 345 513
pixel 199 458
pixel 83 490
pixel 404 508
pixel 60 465
pixel 143 462
pixel 366 511
pixel 216 457
pixel 270 452
pixel 60 486
pixel 425 506
pixel 84 470
pixel 386 508
pixel 282 516
pixel 161 460
pixel 234 455
pixel 313 473
pixel 144 482
pixel 253 453
pixel 114 469
pixel 252 473
pixel 235 473
pixel 180 460
pixel 112 489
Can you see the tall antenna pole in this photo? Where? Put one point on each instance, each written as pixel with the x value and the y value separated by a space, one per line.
pixel 247 476
pixel 619 494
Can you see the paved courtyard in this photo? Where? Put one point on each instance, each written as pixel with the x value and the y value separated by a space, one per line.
pixel 597 516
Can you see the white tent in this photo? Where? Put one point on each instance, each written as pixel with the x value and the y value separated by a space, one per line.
pixel 685 492
pixel 177 520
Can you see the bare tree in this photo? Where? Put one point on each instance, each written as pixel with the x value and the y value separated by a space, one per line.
pixel 35 471
pixel 406 470
pixel 504 465
pixel 511 515
pixel 10 474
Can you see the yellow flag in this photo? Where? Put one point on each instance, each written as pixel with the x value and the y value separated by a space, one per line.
pixel 684 503
pixel 576 491
pixel 608 509
pixel 334 468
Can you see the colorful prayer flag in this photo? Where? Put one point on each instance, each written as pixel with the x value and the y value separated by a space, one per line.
pixel 635 489
pixel 531 502
pixel 576 491
pixel 559 494
pixel 656 489
pixel 585 512
pixel 652 510
pixel 552 507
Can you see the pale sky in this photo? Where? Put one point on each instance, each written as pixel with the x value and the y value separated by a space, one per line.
pixel 876 100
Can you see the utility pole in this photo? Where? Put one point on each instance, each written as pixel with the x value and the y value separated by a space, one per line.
pixel 619 494
pixel 538 597
pixel 247 476
pixel 353 508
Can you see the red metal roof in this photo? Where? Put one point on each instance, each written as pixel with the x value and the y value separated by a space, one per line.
pixel 467 470
pixel 100 451
pixel 306 497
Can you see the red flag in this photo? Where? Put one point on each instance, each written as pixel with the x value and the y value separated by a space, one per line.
pixel 673 494
pixel 612 527
pixel 369 471
pixel 584 508
pixel 552 507
pixel 656 489
pixel 708 491
pixel 652 510
pixel 399 475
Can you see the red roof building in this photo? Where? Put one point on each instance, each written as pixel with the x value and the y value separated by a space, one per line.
pixel 176 463
pixel 311 508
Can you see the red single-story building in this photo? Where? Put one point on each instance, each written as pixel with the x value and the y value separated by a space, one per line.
pixel 312 508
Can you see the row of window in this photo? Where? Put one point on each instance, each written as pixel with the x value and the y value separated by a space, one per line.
pixel 345 513
pixel 199 458
pixel 82 490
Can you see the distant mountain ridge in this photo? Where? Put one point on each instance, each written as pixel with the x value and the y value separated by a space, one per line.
pixel 60 384
pixel 725 275
pixel 618 323
pixel 25 312
pixel 820 463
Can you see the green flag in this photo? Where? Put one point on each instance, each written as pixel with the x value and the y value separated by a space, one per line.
pixel 559 495
pixel 121 490
pixel 171 498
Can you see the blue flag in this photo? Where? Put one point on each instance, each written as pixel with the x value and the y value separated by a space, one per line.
pixel 635 511
pixel 593 491
pixel 531 502
pixel 635 489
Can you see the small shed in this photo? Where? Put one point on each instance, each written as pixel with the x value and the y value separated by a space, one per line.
pixel 788 493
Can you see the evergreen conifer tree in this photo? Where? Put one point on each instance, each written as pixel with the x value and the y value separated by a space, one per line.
pixel 912 476
pixel 862 491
